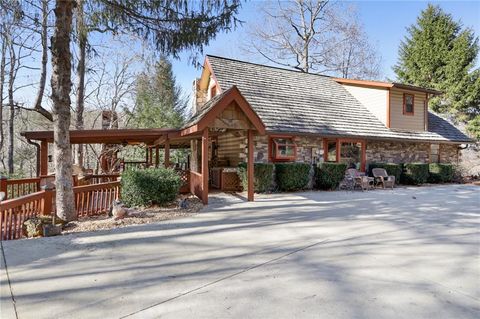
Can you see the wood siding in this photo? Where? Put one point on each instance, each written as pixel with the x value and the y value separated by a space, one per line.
pixel 374 99
pixel 398 119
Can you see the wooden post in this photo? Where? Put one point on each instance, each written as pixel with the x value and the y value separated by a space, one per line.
pixel 3 187
pixel 151 156
pixel 157 156
pixel 47 202
pixel 250 167
pixel 146 156
pixel 43 158
pixel 167 153
pixel 205 166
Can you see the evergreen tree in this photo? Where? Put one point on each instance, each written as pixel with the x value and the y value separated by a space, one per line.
pixel 439 53
pixel 160 101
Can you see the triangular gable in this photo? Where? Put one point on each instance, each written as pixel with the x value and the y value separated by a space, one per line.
pixel 217 105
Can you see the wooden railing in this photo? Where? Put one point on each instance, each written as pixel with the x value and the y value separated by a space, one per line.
pixel 19 187
pixel 196 184
pixel 14 212
pixel 89 200
pixel 134 165
pixel 95 199
pixel 101 178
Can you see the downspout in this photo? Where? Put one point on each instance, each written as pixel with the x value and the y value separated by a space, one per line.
pixel 29 141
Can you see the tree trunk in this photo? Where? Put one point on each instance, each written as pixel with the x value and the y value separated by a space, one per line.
pixel 82 46
pixel 61 86
pixel 2 82
pixel 11 118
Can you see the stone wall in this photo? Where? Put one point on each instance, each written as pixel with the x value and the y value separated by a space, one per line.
pixel 449 154
pixel 397 152
pixel 201 96
pixel 310 148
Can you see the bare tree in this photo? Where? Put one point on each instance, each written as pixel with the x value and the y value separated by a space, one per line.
pixel 313 36
pixel 61 84
pixel 82 35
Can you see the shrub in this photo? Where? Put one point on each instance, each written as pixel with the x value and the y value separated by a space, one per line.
pixel 440 173
pixel 414 174
pixel 262 173
pixel 329 175
pixel 149 186
pixel 292 176
pixel 392 169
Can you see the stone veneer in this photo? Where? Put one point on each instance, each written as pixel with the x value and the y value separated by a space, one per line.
pixel 377 151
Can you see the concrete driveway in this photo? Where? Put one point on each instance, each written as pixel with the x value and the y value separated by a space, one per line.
pixel 407 253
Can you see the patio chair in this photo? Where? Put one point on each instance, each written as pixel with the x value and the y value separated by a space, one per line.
pixel 381 177
pixel 359 179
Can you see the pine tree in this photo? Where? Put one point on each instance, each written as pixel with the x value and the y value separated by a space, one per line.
pixel 160 101
pixel 439 53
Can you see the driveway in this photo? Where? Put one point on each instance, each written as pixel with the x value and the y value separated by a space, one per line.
pixel 407 253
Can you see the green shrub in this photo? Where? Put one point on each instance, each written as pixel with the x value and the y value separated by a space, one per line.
pixel 262 173
pixel 392 169
pixel 440 173
pixel 292 176
pixel 329 175
pixel 149 186
pixel 414 174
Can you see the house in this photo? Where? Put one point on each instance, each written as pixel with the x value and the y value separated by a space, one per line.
pixel 246 112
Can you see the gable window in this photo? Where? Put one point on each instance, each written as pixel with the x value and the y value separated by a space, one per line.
pixel 283 149
pixel 408 104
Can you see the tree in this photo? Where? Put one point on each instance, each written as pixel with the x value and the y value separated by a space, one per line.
pixel 315 37
pixel 82 35
pixel 439 53
pixel 171 26
pixel 159 99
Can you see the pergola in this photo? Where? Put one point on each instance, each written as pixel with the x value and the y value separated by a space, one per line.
pixel 226 111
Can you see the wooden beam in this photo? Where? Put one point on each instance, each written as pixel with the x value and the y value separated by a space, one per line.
pixel 167 154
pixel 43 158
pixel 205 166
pixel 250 167
pixel 157 156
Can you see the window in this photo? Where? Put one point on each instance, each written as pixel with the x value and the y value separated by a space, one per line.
pixel 331 151
pixel 434 153
pixel 349 151
pixel 351 154
pixel 283 149
pixel 408 104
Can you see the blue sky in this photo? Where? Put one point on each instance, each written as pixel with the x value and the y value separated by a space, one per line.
pixel 385 22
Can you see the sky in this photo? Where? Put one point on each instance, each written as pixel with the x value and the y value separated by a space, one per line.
pixel 385 22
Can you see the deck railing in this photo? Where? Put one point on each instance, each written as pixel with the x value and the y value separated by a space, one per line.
pixel 100 178
pixel 89 200
pixel 19 187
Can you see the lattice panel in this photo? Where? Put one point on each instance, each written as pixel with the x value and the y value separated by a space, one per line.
pixel 231 182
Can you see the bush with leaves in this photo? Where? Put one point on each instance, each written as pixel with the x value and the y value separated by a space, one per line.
pixel 392 169
pixel 292 176
pixel 440 173
pixel 329 175
pixel 414 173
pixel 263 176
pixel 149 186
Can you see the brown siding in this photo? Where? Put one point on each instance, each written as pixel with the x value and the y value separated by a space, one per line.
pixel 398 120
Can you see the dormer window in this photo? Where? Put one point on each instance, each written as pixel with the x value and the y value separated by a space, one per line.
pixel 283 149
pixel 408 104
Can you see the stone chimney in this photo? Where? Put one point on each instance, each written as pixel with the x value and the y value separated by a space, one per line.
pixel 200 96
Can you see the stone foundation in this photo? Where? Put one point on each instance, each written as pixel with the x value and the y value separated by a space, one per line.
pixel 449 153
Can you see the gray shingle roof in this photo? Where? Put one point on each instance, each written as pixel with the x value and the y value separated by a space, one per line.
pixel 296 102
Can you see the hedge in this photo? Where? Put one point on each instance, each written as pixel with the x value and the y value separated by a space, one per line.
pixel 149 186
pixel 414 174
pixel 292 176
pixel 392 169
pixel 263 176
pixel 440 173
pixel 329 175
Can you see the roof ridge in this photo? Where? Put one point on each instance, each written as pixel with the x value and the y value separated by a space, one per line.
pixel 268 66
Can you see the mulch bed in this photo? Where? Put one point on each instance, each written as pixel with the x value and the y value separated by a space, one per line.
pixel 136 216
